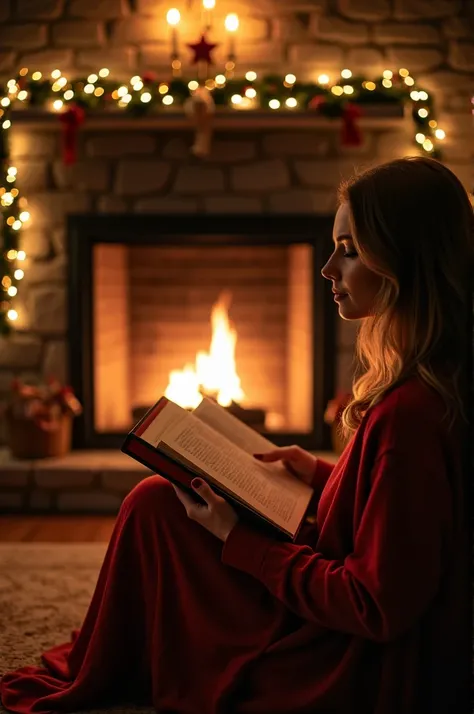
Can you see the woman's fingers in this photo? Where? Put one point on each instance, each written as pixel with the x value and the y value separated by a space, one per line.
pixel 288 453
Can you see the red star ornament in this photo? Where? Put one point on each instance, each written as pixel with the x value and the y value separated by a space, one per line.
pixel 202 50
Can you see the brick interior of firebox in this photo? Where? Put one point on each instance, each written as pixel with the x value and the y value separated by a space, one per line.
pixel 152 314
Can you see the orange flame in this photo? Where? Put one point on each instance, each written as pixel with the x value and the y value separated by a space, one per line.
pixel 214 372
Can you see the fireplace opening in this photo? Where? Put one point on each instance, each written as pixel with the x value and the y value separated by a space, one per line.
pixel 230 307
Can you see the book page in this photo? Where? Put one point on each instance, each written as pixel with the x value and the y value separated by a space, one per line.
pixel 281 498
pixel 231 427
pixel 170 415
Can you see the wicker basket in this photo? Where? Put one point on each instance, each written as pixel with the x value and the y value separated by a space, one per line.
pixel 27 440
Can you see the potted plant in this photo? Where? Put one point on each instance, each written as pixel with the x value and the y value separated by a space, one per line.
pixel 332 416
pixel 39 419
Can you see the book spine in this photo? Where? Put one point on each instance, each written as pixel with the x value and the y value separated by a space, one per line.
pixel 157 462
pixel 149 417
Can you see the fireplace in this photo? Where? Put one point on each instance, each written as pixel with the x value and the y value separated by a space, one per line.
pixel 143 289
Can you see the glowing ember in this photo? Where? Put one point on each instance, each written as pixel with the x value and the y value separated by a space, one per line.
pixel 215 372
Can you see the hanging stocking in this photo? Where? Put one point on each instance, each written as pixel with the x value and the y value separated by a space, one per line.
pixel 200 106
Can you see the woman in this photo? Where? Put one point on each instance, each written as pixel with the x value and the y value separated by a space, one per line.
pixel 194 612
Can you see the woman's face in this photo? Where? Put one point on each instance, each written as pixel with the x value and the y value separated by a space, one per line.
pixel 355 284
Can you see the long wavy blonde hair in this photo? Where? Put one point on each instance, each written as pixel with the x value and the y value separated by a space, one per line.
pixel 413 224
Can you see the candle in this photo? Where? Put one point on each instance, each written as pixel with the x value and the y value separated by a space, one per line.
pixel 232 25
pixel 208 6
pixel 173 18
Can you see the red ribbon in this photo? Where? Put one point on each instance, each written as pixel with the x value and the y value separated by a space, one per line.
pixel 350 132
pixel 71 120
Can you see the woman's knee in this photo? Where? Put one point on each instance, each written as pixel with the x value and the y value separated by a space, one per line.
pixel 152 492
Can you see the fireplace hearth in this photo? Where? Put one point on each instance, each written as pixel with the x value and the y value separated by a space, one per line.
pixel 141 296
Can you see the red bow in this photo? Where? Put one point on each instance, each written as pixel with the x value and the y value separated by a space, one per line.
pixel 71 120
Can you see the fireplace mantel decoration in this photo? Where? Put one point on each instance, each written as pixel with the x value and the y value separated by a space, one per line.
pixel 145 95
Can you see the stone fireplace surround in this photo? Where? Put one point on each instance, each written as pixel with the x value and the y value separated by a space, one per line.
pixel 267 165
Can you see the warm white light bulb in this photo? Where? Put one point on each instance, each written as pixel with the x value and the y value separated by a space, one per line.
pixel 173 16
pixel 208 4
pixel 232 22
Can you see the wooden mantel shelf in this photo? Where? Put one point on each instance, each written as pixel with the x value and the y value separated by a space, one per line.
pixel 374 117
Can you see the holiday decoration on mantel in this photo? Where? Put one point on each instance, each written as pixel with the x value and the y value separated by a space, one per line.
pixel 202 51
pixel 74 99
pixel 201 107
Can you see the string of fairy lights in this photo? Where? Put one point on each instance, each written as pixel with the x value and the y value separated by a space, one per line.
pixel 147 94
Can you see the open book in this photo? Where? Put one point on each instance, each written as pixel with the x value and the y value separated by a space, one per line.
pixel 211 443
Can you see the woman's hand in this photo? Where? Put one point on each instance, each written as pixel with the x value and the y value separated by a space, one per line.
pixel 299 462
pixel 217 516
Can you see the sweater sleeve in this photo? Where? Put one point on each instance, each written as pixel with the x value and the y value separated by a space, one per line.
pixel 380 589
pixel 322 472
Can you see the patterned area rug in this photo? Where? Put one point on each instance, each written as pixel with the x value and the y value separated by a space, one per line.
pixel 45 589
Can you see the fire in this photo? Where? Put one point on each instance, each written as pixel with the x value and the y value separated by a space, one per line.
pixel 214 372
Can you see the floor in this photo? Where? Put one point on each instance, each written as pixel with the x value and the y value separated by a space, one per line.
pixel 64 529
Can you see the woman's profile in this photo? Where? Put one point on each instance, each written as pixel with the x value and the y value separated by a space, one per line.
pixel 195 612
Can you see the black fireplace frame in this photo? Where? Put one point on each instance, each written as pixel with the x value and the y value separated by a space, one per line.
pixel 84 231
